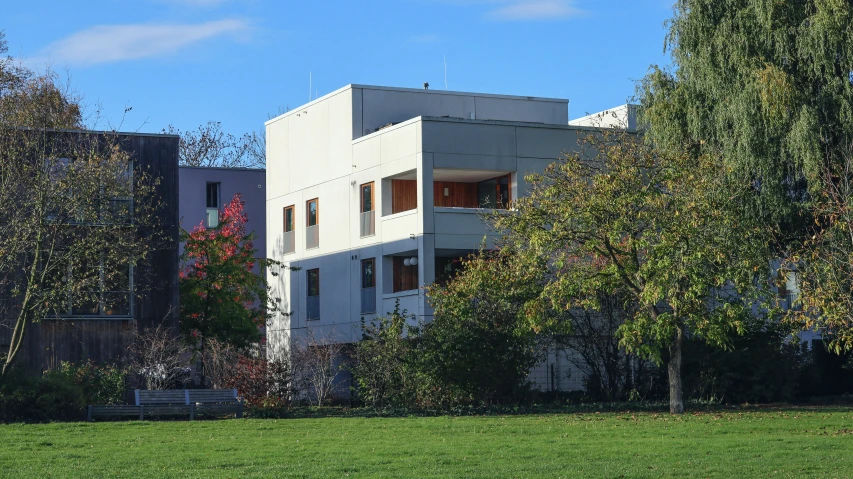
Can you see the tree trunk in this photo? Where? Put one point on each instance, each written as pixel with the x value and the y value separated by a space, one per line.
pixel 676 402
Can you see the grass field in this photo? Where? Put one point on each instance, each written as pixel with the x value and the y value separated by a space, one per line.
pixel 745 443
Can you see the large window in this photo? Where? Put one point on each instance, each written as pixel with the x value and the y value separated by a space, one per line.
pixel 103 290
pixel 313 309
pixel 213 205
pixel 494 193
pixel 289 238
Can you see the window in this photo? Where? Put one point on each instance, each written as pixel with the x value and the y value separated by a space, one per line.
pixel 288 219
pixel 313 306
pixel 213 195
pixel 213 205
pixel 312 218
pixel 494 193
pixel 446 269
pixel 368 273
pixel 367 225
pixel 104 291
pixel 368 286
pixel 367 197
pixel 289 237
pixel 312 213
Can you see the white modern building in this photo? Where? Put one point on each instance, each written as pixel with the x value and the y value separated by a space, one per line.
pixel 372 192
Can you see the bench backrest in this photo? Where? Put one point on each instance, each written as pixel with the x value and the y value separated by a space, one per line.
pixel 212 396
pixel 150 397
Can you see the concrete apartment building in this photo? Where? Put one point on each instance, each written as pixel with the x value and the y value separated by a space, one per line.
pixel 372 192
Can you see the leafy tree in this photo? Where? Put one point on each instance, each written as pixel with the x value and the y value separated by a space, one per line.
pixel 222 296
pixel 68 235
pixel 209 146
pixel 768 86
pixel 659 229
pixel 764 84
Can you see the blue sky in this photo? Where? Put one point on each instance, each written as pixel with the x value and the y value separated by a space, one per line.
pixel 184 62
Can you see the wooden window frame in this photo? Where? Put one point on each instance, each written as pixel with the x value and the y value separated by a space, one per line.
pixel 293 217
pixel 372 197
pixel 308 212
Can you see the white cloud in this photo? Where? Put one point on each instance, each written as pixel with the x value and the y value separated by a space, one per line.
pixel 526 9
pixel 114 43
pixel 536 10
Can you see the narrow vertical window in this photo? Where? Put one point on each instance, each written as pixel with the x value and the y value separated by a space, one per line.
pixel 313 213
pixel 368 285
pixel 312 218
pixel 213 205
pixel 367 220
pixel 313 306
pixel 289 238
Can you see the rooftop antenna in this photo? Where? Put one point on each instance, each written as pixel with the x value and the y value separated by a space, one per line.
pixel 426 85
pixel 310 86
pixel 445 72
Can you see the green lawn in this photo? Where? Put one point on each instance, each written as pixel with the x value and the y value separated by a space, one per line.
pixel 748 443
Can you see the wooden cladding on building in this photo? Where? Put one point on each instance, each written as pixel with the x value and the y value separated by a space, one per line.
pixel 454 195
pixel 404 195
pixel 405 277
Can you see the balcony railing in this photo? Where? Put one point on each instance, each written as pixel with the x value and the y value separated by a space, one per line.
pixel 368 300
pixel 212 217
pixel 368 223
pixel 313 307
pixel 312 237
pixel 289 242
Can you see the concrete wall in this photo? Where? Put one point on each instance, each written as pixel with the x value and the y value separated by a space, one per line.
pixel 250 183
pixel 623 116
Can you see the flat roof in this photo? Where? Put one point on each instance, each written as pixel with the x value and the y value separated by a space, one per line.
pixel 414 90
pixel 239 168
pixel 450 119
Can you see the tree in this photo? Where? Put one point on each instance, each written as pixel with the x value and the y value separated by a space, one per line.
pixel 222 296
pixel 209 146
pixel 766 85
pixel 659 229
pixel 159 357
pixel 76 215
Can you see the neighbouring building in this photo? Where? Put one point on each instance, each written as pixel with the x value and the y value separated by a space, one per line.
pixel 100 333
pixel 205 190
pixel 372 192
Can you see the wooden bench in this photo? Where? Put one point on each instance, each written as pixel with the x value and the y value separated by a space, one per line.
pixel 174 402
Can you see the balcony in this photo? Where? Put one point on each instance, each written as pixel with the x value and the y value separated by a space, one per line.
pixel 368 300
pixel 471 189
pixel 313 307
pixel 288 242
pixel 312 237
pixel 367 221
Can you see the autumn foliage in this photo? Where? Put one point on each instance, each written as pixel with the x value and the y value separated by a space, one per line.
pixel 224 295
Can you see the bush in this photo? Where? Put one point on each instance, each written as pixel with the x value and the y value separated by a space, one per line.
pixel 382 363
pixel 100 384
pixel 51 397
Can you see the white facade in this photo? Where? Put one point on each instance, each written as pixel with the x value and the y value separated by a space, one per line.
pixel 623 116
pixel 326 150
